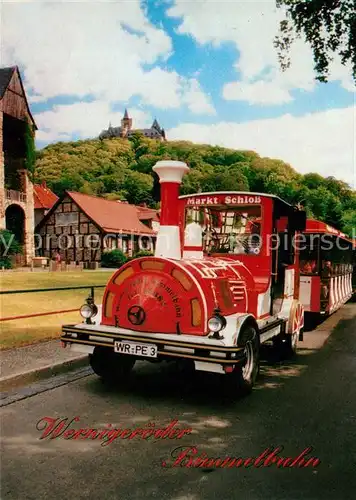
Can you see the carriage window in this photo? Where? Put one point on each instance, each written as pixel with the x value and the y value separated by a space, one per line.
pixel 226 229
pixel 309 254
pixel 336 255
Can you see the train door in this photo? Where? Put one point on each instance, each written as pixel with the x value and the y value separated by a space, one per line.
pixel 285 262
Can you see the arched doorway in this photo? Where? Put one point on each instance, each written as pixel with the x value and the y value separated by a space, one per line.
pixel 15 222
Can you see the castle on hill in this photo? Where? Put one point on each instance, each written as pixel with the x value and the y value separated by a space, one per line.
pixel 126 130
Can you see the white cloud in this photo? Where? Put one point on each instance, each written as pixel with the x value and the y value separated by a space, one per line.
pixel 90 47
pixel 196 100
pixel 84 119
pixel 260 92
pixel 322 142
pixel 252 27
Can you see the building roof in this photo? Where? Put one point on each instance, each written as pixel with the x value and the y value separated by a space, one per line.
pixel 5 77
pixel 146 213
pixel 111 216
pixel 155 125
pixel 43 197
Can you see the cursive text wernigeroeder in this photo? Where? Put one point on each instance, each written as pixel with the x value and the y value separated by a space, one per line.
pixel 53 428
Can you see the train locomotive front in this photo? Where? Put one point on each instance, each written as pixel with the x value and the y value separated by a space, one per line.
pixel 209 296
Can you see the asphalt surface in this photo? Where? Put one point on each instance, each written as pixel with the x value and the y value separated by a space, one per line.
pixel 306 403
pixel 32 357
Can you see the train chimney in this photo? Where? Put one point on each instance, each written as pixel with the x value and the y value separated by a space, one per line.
pixel 170 175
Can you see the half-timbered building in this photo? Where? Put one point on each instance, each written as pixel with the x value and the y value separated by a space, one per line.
pixel 81 227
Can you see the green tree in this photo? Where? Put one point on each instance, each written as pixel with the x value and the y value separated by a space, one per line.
pixel 66 183
pixel 113 259
pixel 138 187
pixel 30 151
pixel 348 220
pixel 145 163
pixel 122 169
pixel 8 246
pixel 328 26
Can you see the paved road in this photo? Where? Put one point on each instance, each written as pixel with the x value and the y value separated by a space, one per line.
pixel 310 402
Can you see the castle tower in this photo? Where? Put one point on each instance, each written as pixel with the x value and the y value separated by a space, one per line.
pixel 126 124
pixel 155 125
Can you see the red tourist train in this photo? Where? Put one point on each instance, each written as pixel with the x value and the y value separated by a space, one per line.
pixel 225 279
pixel 326 268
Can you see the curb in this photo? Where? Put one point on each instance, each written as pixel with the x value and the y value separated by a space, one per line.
pixel 37 374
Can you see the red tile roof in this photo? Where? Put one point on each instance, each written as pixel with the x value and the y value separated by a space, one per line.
pixel 146 213
pixel 111 216
pixel 43 197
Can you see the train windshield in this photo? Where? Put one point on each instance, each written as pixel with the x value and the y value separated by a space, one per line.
pixel 226 229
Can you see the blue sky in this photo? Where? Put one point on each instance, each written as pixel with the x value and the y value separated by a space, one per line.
pixel 206 70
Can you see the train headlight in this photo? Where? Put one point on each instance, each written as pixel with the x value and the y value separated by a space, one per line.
pixel 216 323
pixel 88 310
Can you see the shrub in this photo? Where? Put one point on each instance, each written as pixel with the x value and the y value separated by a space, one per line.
pixel 143 253
pixel 113 258
pixel 8 246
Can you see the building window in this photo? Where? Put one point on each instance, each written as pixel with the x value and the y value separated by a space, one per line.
pixel 65 219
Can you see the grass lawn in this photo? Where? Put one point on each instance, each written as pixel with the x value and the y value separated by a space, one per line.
pixel 26 331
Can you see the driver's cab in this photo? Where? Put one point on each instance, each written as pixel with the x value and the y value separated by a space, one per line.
pixel 256 229
pixel 227 230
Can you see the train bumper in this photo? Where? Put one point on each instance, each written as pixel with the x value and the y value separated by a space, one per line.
pixel 207 354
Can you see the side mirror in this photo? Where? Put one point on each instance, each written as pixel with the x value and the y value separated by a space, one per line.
pixel 298 220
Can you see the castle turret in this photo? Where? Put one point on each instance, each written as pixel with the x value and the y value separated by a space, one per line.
pixel 126 123
pixel 155 125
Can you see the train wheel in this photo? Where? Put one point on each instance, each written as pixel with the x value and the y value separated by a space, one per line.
pixel 244 376
pixel 109 365
pixel 285 346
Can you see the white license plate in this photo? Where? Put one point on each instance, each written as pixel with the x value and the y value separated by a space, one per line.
pixel 135 349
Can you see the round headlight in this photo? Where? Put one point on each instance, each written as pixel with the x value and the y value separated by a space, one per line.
pixel 215 324
pixel 87 311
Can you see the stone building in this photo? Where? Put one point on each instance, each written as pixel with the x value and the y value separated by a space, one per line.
pixel 126 130
pixel 16 189
pixel 80 227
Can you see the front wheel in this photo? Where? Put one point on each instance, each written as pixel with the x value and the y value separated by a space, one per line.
pixel 244 376
pixel 285 346
pixel 109 365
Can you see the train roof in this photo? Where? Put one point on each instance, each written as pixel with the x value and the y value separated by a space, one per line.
pixel 238 193
pixel 317 226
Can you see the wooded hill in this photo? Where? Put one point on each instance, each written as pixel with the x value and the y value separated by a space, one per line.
pixel 122 169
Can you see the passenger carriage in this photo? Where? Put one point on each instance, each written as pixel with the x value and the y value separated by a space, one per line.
pixel 224 280
pixel 326 268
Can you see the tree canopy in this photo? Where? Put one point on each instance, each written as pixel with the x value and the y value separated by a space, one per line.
pixel 122 169
pixel 329 26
